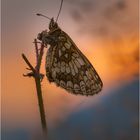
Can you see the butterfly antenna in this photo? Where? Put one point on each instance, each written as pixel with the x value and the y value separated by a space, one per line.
pixel 59 10
pixel 38 14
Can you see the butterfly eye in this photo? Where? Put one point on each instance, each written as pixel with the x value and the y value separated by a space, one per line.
pixel 39 37
pixel 42 35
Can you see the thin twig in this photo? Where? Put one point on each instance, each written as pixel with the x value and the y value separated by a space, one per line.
pixel 41 105
pixel 35 73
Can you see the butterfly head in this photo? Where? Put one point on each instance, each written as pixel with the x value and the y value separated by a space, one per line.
pixel 49 37
pixel 53 25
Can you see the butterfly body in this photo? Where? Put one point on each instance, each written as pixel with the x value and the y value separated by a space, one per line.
pixel 66 65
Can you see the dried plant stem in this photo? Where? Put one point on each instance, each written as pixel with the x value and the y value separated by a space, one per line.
pixel 35 73
pixel 41 105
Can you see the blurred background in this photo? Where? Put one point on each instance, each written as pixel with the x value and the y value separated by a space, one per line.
pixel 106 31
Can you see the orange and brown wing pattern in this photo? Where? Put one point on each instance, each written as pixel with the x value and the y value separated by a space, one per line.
pixel 70 69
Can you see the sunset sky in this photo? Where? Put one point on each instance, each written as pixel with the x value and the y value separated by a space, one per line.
pixel 106 31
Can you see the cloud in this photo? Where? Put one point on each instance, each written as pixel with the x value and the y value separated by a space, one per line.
pixel 115 24
pixel 112 16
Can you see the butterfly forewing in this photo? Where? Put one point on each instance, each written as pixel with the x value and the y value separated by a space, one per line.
pixel 70 69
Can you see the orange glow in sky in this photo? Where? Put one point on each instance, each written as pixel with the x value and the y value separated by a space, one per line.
pixel 116 60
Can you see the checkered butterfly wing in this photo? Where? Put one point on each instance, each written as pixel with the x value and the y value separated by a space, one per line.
pixel 70 69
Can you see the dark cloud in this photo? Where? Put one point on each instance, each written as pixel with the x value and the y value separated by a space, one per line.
pixel 121 4
pixel 86 6
pixel 76 15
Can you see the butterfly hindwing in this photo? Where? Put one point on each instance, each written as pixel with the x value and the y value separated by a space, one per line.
pixel 70 69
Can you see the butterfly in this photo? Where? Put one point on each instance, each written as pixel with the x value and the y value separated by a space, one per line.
pixel 66 65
